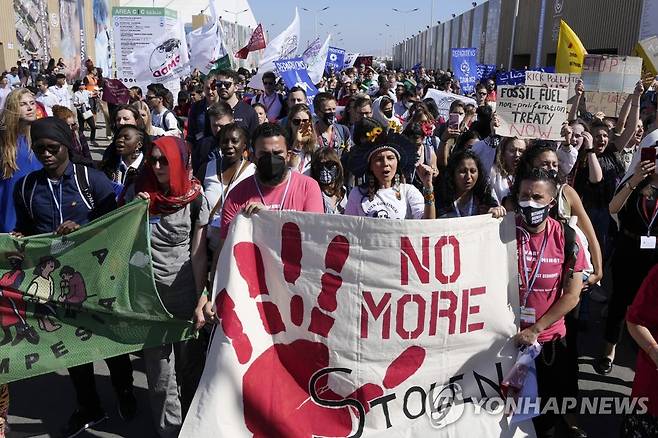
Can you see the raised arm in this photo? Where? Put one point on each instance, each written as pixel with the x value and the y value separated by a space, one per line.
pixel 629 122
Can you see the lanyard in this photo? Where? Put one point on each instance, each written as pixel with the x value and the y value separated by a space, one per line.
pixel 58 205
pixel 530 279
pixel 470 208
pixel 226 189
pixel 646 215
pixel 285 193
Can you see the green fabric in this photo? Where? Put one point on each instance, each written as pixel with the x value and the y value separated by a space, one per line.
pixel 119 310
pixel 223 63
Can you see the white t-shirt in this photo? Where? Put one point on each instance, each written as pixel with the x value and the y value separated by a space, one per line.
pixel 566 157
pixel 215 190
pixel 501 186
pixel 64 96
pixel 485 152
pixel 171 122
pixel 385 203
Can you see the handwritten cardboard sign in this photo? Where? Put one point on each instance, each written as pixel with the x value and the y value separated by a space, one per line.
pixel 612 74
pixel 531 112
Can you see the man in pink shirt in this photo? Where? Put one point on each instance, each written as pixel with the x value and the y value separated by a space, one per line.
pixel 273 187
pixel 551 280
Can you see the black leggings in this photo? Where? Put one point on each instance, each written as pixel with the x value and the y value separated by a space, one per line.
pixel 90 122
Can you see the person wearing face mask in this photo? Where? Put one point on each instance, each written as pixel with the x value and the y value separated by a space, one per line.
pixel 404 103
pixel 382 111
pixel 327 170
pixel 329 133
pixel 272 187
pixel 550 281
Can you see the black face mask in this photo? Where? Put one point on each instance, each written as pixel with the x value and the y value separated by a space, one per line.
pixel 533 213
pixel 271 168
pixel 329 118
pixel 388 113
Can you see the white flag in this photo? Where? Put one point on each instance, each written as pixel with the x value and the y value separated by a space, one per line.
pixel 205 47
pixel 162 60
pixel 283 46
pixel 315 58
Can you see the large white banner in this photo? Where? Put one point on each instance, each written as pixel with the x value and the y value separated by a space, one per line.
pixel 337 326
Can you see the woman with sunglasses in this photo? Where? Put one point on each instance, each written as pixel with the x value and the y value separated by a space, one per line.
pixel 302 135
pixel 179 215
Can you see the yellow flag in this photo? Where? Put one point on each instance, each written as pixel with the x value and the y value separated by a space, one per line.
pixel 570 51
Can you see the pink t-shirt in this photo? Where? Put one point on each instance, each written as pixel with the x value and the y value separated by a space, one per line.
pixel 302 194
pixel 547 287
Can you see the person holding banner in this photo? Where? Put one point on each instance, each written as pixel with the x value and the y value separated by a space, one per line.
pixel 551 279
pixel 84 195
pixel 464 190
pixel 384 161
pixel 179 214
pixel 274 186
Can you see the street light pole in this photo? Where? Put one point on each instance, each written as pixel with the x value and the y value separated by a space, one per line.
pixel 511 46
pixel 235 14
pixel 404 22
pixel 315 14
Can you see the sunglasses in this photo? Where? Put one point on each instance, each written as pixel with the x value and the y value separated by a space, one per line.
pixel 297 122
pixel 220 84
pixel 155 160
pixel 51 148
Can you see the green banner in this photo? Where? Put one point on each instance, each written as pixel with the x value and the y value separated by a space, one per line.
pixel 90 295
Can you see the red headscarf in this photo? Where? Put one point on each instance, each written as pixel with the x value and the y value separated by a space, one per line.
pixel 183 187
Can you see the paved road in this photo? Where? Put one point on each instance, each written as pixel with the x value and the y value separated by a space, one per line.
pixel 42 405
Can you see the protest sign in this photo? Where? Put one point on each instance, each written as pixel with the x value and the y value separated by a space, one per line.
pixel 608 103
pixel 550 80
pixel 608 73
pixel 115 92
pixel 512 77
pixel 486 71
pixel 336 59
pixel 531 112
pixel 464 64
pixel 294 74
pixel 350 59
pixel 345 326
pixel 444 99
pixel 74 299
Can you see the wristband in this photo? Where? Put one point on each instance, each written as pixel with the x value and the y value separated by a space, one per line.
pixel 590 151
pixel 428 191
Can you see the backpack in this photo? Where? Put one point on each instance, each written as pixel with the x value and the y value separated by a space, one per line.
pixel 166 127
pixel 81 175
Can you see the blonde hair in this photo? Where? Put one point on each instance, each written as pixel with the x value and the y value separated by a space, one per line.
pixel 141 105
pixel 10 130
pixel 312 144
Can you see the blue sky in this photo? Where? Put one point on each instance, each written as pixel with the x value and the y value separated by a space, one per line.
pixel 360 22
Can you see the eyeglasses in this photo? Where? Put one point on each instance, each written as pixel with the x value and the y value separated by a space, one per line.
pixel 161 159
pixel 297 122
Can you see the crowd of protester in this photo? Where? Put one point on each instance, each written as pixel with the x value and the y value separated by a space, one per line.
pixel 368 144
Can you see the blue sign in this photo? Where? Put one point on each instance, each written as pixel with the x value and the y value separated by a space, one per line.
pixel 464 65
pixel 335 59
pixel 294 74
pixel 486 71
pixel 513 77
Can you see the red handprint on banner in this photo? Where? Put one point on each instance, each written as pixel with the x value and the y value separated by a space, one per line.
pixel 278 399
